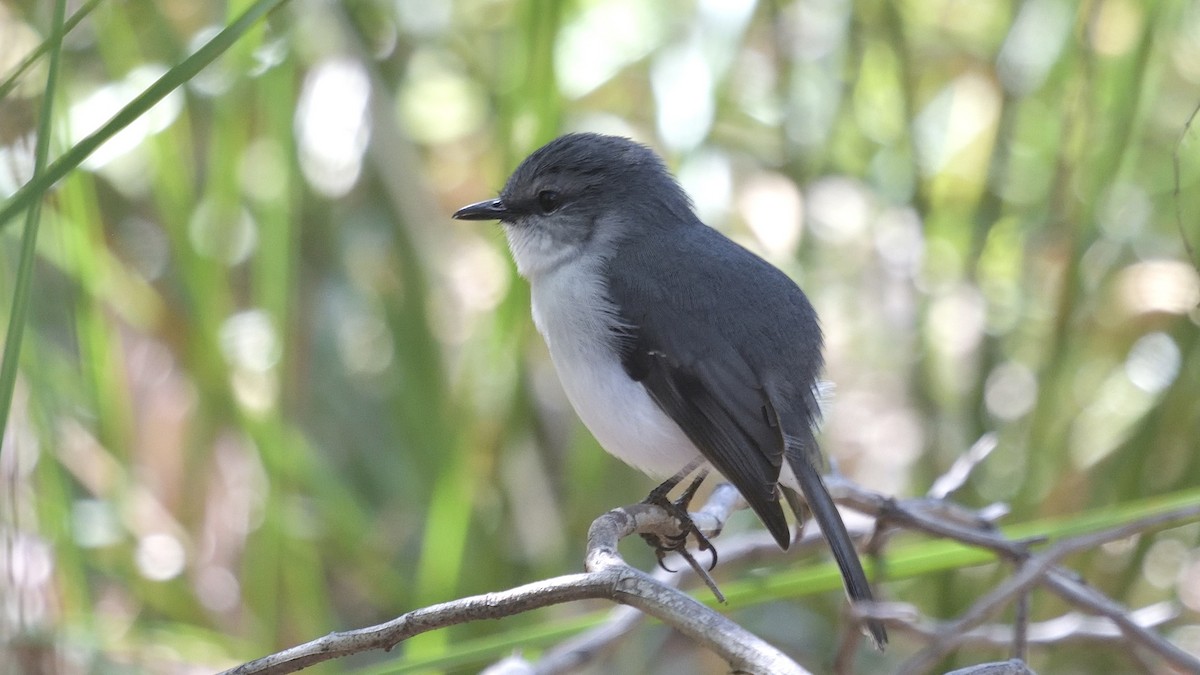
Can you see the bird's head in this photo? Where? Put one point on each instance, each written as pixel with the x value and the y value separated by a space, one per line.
pixel 580 194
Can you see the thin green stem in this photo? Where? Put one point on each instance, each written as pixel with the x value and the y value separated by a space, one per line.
pixel 170 81
pixel 10 82
pixel 20 304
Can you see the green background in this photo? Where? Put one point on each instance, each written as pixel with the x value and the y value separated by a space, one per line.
pixel 268 389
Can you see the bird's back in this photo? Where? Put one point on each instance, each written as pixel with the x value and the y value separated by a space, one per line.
pixel 717 287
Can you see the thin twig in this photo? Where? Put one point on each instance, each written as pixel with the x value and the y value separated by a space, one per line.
pixel 1070 627
pixel 1072 590
pixel 385 636
pixel 744 549
pixel 915 514
pixel 608 577
pixel 13 76
pixel 1040 569
pixel 1020 643
pixel 1013 667
pixel 956 476
pixel 740 648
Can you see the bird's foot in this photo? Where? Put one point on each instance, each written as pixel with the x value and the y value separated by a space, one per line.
pixel 677 543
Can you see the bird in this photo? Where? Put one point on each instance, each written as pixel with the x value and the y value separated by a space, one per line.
pixel 675 345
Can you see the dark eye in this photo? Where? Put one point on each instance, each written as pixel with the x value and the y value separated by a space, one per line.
pixel 548 201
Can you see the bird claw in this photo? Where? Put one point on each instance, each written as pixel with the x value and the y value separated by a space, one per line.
pixel 662 548
pixel 666 544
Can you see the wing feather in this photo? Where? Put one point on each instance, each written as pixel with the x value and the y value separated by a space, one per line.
pixel 719 407
pixel 688 350
pixel 730 349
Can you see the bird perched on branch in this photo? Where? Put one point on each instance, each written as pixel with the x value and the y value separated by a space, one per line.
pixel 677 347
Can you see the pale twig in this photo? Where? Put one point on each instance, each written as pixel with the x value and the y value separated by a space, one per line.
pixel 954 522
pixel 608 577
pixel 1070 627
pixel 1038 569
pixel 581 649
pixel 385 636
pixel 745 549
pixel 1012 667
pixel 740 648
pixel 958 473
pixel 1020 643
pixel 1072 590
pixel 723 501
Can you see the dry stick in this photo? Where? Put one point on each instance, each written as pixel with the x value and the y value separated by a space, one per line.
pixel 1072 590
pixel 950 522
pixel 958 473
pixel 1039 569
pixel 385 636
pixel 723 501
pixel 1020 643
pixel 993 601
pixel 1013 667
pixel 743 650
pixel 608 577
pixel 946 520
pixel 1071 627
pixel 746 549
pixel 582 648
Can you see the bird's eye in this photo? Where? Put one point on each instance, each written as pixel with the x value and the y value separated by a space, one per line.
pixel 548 201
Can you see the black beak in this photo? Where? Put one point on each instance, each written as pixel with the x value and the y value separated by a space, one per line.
pixel 492 209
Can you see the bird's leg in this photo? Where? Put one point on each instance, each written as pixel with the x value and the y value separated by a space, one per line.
pixel 679 509
pixel 678 543
pixel 685 501
pixel 659 494
pixel 663 545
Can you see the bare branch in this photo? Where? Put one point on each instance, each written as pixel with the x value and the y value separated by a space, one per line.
pixel 385 636
pixel 951 521
pixel 609 577
pixel 1070 627
pixel 740 648
pixel 1042 569
pixel 746 549
pixel 1032 573
pixel 960 471
pixel 1071 589
pixel 1013 667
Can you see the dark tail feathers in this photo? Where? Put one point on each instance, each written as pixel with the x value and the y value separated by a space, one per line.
pixel 827 516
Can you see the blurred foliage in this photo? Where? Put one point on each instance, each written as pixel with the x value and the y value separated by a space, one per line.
pixel 268 389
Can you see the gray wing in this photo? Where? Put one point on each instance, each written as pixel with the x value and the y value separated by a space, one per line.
pixel 730 349
pixel 705 340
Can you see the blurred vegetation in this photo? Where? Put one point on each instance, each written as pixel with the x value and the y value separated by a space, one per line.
pixel 267 389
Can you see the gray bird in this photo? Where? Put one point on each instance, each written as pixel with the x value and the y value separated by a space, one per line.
pixel 673 343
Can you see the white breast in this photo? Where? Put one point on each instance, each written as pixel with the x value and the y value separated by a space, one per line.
pixel 574 315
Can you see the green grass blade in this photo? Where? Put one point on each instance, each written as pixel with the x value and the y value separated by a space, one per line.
pixel 20 305
pixel 170 81
pixel 10 82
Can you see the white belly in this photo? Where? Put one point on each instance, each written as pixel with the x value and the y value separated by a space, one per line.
pixel 574 316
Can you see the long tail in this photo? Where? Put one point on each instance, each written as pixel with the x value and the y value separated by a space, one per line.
pixel 827 516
